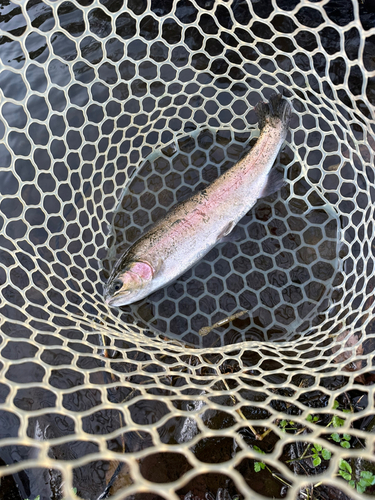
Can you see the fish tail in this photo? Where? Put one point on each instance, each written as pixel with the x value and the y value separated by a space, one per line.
pixel 273 111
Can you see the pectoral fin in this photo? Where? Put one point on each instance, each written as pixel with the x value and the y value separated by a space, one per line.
pixel 226 230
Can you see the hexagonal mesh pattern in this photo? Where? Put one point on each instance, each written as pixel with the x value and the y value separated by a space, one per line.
pixel 280 265
pixel 111 112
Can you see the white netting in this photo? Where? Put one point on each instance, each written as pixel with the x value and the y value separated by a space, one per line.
pixel 111 112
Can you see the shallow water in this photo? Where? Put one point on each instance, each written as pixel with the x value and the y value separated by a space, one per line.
pixel 280 265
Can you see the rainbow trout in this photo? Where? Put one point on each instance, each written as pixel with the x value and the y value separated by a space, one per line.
pixel 189 231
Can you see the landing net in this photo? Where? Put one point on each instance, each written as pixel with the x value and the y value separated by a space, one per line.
pixel 112 112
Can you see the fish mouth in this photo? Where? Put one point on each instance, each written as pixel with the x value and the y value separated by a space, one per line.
pixel 113 301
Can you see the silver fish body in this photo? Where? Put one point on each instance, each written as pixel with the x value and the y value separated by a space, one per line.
pixel 193 227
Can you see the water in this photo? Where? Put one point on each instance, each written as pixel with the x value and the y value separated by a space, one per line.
pixel 279 266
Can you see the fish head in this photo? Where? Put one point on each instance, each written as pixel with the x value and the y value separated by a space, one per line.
pixel 129 285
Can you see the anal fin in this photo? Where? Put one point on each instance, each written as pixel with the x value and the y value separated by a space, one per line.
pixel 275 181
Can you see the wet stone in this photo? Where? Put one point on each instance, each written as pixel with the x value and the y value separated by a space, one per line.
pixel 291 241
pixel 277 227
pixel 167 308
pixel 322 271
pixel 269 297
pixel 314 290
pixel 328 250
pixel 299 275
pixel 207 305
pixel 262 317
pixel 277 278
pixel 186 306
pixel 202 270
pixel 195 288
pixel 255 280
pixel 292 294
pixel 242 264
pixel 306 255
pixel 264 263
pixel 248 300
pixel 285 314
pixel 154 183
pixel 235 283
pixel 256 231
pixel 222 267
pixel 178 325
pixel 215 285
pixel 263 212
pixel 313 235
pixel 271 245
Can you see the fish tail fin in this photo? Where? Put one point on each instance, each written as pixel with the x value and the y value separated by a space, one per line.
pixel 274 110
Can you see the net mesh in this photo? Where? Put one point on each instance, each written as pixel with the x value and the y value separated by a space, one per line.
pixel 113 111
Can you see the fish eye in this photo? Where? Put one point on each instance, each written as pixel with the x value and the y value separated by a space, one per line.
pixel 117 285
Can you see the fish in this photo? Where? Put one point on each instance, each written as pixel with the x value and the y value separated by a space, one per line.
pixel 193 227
